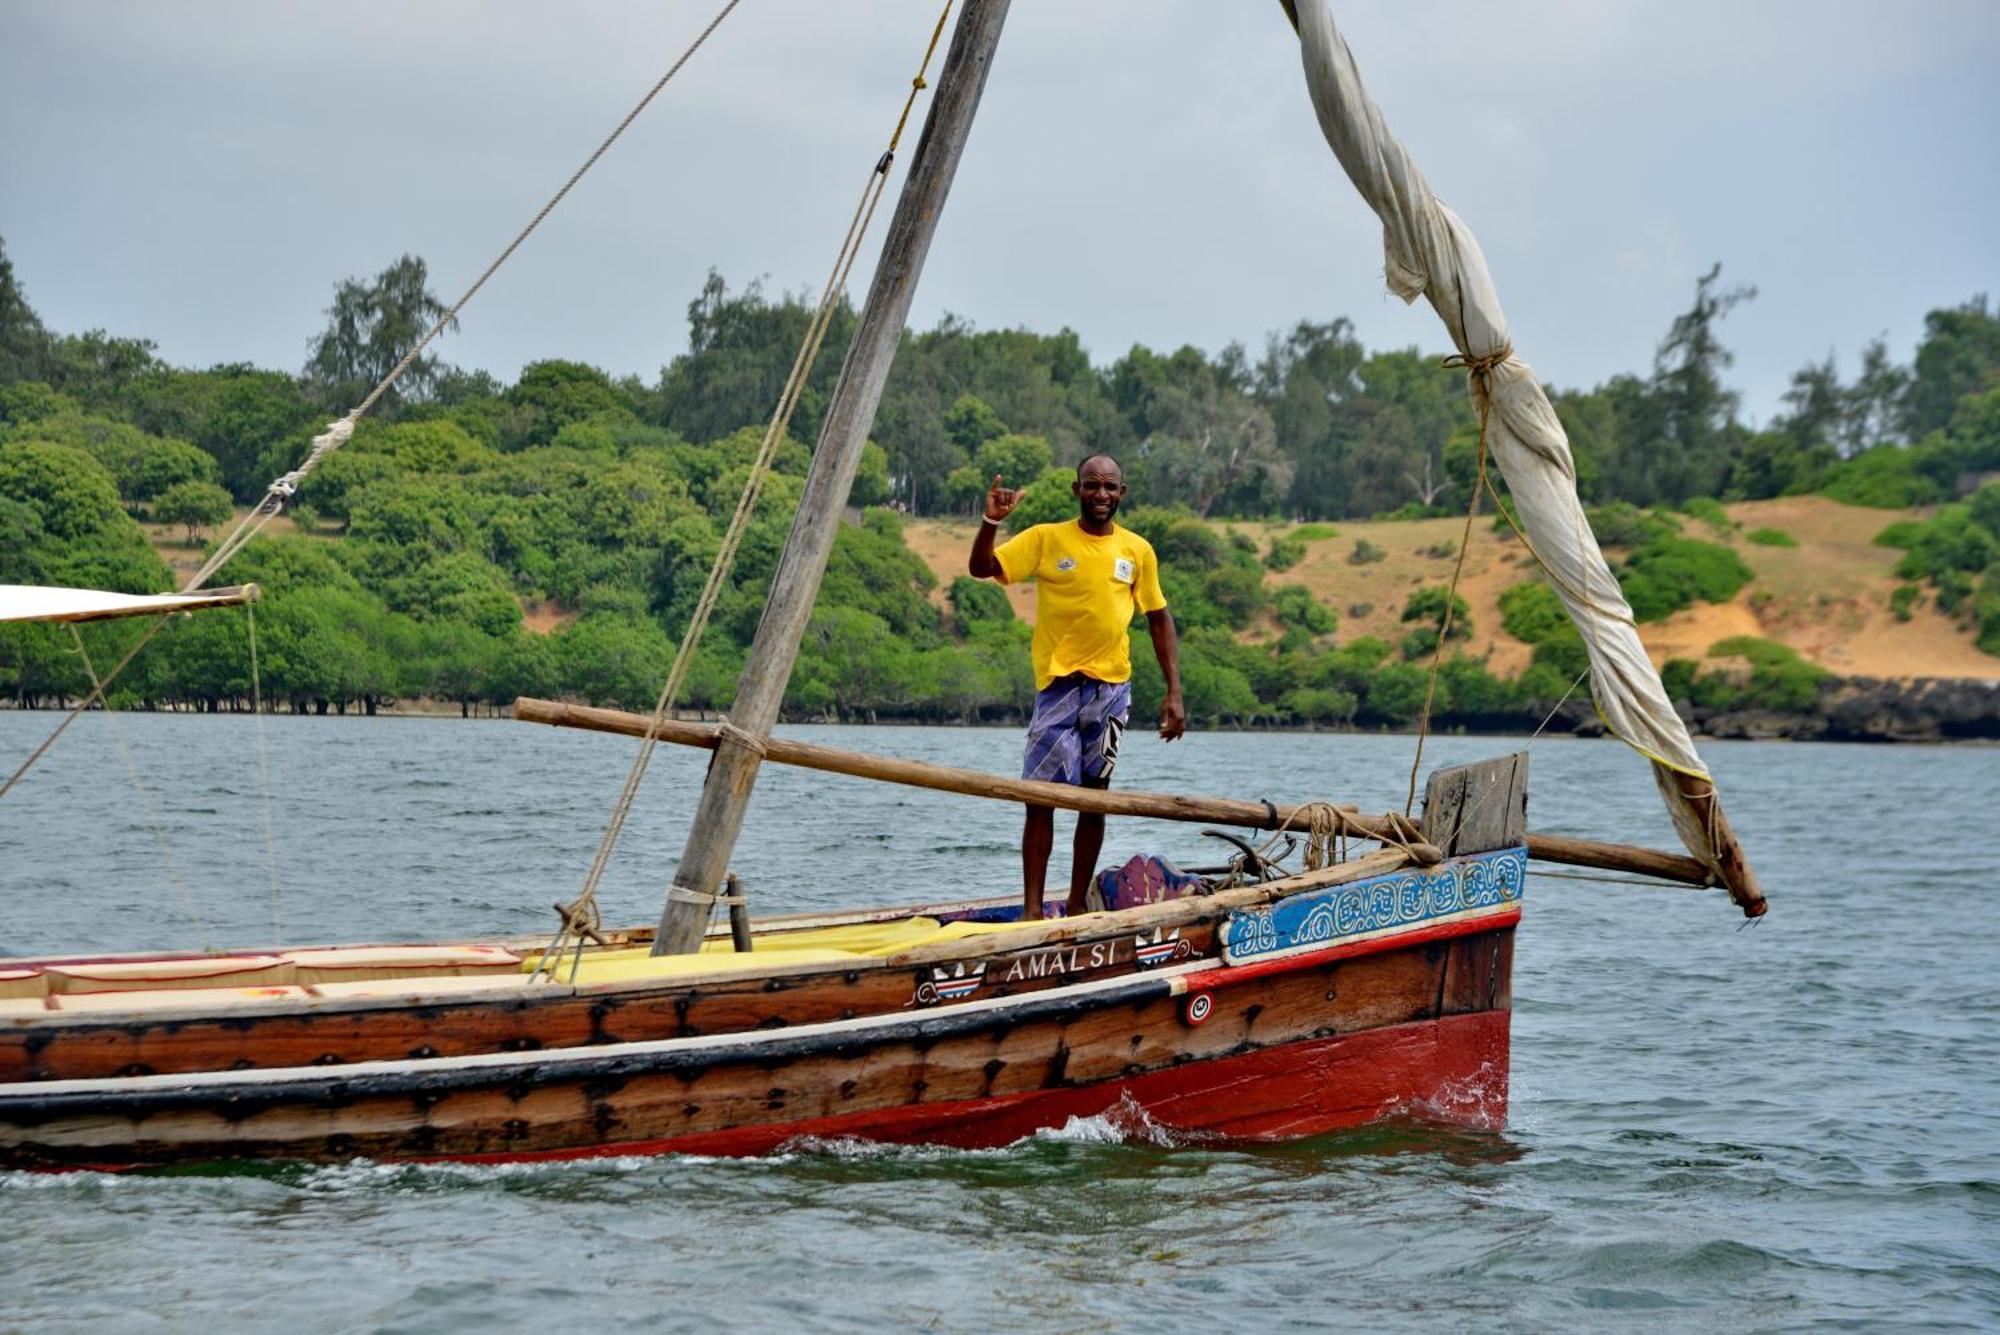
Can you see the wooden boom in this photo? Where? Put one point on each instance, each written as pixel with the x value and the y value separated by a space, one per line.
pixel 1161 806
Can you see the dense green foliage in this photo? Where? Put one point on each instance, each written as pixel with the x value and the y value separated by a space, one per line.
pixel 478 540
pixel 1767 675
pixel 1957 553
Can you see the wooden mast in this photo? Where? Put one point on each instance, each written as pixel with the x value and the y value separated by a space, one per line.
pixel 719 815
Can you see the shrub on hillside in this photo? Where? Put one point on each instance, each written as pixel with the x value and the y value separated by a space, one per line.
pixel 1779 679
pixel 1958 551
pixel 1239 592
pixel 1427 607
pixel 1365 553
pixel 1532 612
pixel 1953 540
pixel 1773 537
pixel 978 602
pixel 1191 543
pixel 1903 533
pixel 1314 532
pixel 1284 553
pixel 1709 511
pixel 1296 608
pixel 1621 524
pixel 1884 478
pixel 1668 574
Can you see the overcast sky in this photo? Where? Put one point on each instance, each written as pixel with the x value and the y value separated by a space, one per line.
pixel 203 173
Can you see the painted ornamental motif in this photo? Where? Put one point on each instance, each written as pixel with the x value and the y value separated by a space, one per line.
pixel 1402 899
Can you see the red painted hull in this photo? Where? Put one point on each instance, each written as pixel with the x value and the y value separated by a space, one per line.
pixel 1453 1069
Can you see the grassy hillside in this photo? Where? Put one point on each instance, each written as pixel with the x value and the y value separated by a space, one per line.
pixel 1829 597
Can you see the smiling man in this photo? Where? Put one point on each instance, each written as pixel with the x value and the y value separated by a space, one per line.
pixel 1090 577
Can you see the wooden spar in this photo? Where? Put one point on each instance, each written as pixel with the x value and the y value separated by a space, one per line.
pixel 1160 806
pixel 726 793
pixel 1730 860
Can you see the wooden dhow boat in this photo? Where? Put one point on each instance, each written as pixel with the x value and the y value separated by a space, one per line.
pixel 1260 1002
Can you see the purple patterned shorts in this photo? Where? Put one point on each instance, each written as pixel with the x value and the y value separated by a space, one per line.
pixel 1074 735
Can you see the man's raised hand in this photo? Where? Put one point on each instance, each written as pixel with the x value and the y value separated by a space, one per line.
pixel 1000 501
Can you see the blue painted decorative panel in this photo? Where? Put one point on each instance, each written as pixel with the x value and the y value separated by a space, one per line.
pixel 1409 898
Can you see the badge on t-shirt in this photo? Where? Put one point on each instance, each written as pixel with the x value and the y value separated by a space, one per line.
pixel 1121 570
pixel 1066 563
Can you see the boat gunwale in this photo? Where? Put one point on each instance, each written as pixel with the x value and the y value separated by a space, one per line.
pixel 514 992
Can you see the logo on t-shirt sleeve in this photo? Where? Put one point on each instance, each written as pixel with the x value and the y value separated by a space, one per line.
pixel 1121 570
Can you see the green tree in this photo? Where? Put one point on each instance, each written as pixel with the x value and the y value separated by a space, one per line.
pixel 1959 355
pixel 370 328
pixel 194 506
pixel 971 423
pixel 1304 381
pixel 24 343
pixel 740 351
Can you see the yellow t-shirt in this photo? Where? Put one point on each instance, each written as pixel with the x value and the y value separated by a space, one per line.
pixel 1086 590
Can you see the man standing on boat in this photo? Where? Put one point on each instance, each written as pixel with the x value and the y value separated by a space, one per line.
pixel 1090 577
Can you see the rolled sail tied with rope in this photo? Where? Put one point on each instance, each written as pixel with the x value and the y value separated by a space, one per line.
pixel 1430 252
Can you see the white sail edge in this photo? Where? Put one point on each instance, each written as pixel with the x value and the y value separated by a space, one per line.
pixel 47 603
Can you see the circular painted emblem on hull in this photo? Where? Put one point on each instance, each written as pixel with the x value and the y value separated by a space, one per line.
pixel 1197 1008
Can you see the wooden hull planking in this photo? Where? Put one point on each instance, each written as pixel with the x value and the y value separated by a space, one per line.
pixel 1286 1047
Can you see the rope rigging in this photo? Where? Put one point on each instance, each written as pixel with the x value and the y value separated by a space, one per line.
pixel 338 433
pixel 579 919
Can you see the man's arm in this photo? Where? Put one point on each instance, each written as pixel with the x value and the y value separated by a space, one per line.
pixel 1167 648
pixel 1000 502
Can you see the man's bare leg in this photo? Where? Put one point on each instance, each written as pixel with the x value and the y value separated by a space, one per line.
pixel 1083 857
pixel 1037 836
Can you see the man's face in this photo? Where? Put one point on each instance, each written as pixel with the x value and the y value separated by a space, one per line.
pixel 1098 489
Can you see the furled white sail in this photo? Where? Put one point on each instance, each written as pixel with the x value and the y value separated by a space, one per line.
pixel 1431 253
pixel 34 602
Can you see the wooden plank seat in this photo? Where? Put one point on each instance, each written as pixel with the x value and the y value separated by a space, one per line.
pixel 420 986
pixel 357 964
pixel 215 971
pixel 207 998
pixel 11 1007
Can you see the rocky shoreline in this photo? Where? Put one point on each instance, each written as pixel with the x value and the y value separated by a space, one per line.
pixel 1858 709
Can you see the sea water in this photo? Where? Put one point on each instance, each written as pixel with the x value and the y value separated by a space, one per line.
pixel 1714 1126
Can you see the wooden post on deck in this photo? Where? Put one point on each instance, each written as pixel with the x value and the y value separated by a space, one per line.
pixel 1479 807
pixel 719 816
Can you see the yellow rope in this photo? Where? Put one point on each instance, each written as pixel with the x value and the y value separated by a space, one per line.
pixel 580 916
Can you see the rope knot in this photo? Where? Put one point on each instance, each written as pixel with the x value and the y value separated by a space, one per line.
pixel 748 741
pixel 1481 367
